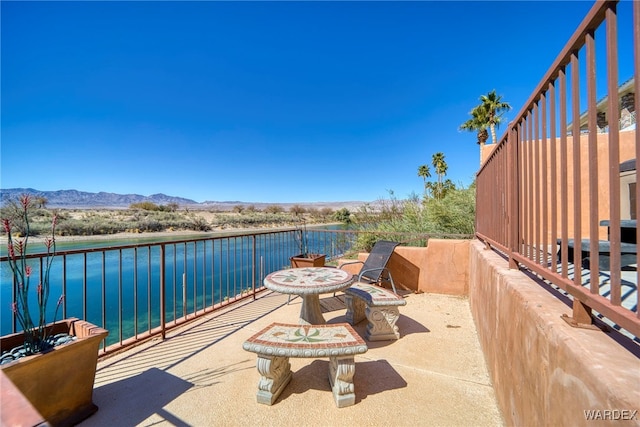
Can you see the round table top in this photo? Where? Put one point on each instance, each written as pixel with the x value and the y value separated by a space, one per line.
pixel 308 280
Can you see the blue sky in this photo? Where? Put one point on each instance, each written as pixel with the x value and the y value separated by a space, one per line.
pixel 260 101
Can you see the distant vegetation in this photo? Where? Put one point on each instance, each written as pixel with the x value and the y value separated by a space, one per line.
pixel 149 217
pixel 453 215
pixel 443 210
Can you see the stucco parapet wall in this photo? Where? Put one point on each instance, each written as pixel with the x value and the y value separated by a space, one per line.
pixel 544 371
pixel 442 267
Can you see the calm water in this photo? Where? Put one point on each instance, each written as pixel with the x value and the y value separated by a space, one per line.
pixel 122 285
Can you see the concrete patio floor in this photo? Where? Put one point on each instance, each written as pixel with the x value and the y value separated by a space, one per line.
pixel 435 375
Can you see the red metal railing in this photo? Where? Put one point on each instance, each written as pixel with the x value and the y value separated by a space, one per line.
pixel 554 177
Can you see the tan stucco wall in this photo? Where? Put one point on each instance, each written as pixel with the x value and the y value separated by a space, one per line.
pixel 442 267
pixel 544 372
pixel 627 152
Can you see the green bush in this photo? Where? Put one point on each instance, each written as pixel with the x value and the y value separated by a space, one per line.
pixel 146 206
pixel 454 214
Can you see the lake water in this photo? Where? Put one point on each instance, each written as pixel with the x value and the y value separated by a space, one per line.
pixel 120 288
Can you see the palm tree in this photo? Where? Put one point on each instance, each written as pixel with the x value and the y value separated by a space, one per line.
pixel 424 172
pixel 478 123
pixel 440 167
pixel 495 107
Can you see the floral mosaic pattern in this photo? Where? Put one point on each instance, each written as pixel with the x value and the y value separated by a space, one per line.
pixel 306 340
pixel 316 280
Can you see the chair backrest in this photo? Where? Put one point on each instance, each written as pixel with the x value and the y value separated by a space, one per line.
pixel 377 260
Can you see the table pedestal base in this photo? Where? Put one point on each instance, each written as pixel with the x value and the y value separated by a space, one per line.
pixel 311 313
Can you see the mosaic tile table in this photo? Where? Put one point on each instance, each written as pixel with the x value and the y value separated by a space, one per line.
pixel 276 343
pixel 309 283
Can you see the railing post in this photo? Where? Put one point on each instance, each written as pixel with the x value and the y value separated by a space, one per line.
pixel 253 266
pixel 163 322
pixel 513 185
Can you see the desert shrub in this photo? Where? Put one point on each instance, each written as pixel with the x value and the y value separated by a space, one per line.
pixel 454 214
pixel 200 224
pixel 343 215
pixel 297 210
pixel 145 206
pixel 150 225
pixel 274 209
pixel 326 213
pixel 39 218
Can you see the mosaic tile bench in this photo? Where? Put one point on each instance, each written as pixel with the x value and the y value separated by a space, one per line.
pixel 276 343
pixel 378 305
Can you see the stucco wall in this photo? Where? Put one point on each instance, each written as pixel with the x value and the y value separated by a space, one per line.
pixel 627 151
pixel 442 267
pixel 546 373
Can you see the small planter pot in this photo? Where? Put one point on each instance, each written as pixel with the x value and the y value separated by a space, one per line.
pixel 311 260
pixel 58 384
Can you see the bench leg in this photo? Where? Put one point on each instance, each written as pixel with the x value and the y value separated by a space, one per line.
pixel 382 323
pixel 341 371
pixel 275 374
pixel 355 309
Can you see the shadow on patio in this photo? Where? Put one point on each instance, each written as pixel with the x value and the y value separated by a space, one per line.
pixel 200 375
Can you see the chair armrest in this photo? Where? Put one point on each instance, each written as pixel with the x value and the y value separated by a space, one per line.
pixel 350 262
pixel 393 285
pixel 372 269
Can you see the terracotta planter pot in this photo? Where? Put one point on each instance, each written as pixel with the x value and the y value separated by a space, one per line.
pixel 312 260
pixel 57 384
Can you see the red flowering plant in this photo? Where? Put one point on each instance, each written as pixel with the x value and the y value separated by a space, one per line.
pixel 34 325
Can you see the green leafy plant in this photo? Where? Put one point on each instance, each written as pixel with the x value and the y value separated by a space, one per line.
pixel 34 325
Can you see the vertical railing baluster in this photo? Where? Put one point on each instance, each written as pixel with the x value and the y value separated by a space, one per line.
pixel 213 273
pixel 554 176
pixel 136 327
pixel 535 176
pixel 253 265
pixel 104 291
pixel 577 183
pixel 84 287
pixel 64 287
pixel 163 302
pixel 120 327
pixel 175 282
pixel 204 275
pixel 592 117
pixel 564 193
pixel 544 169
pixel 228 240
pixel 513 192
pixel 149 301
pixel 613 117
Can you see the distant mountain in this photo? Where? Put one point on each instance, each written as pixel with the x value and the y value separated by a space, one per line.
pixel 83 199
pixel 74 199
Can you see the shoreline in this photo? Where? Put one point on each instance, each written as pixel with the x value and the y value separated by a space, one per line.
pixel 178 234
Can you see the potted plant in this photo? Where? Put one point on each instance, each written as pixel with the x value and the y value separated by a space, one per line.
pixel 305 258
pixel 50 366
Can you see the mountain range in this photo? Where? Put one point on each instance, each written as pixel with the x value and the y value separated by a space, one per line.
pixel 74 199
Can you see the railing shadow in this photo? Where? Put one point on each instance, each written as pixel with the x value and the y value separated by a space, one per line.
pixel 160 388
pixel 194 339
